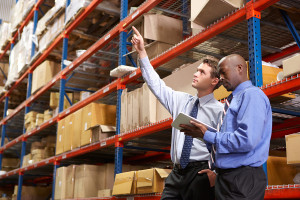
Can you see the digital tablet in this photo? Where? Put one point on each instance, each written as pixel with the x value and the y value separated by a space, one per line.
pixel 185 119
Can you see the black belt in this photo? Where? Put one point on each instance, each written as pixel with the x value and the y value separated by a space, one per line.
pixel 223 171
pixel 191 165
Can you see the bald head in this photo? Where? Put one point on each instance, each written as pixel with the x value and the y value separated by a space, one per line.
pixel 233 71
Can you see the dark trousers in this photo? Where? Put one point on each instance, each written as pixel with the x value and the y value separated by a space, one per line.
pixel 187 184
pixel 244 183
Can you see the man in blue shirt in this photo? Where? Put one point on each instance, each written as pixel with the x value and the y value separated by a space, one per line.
pixel 241 146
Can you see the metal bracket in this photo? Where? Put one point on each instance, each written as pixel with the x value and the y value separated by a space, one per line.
pixel 121 86
pixel 24 139
pixel 119 144
pixel 65 35
pixel 250 12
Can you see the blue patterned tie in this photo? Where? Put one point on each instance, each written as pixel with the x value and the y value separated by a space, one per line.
pixel 188 140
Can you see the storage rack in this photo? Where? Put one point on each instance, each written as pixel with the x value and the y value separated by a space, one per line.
pixel 116 143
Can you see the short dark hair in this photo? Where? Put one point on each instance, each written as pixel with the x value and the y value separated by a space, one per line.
pixel 214 73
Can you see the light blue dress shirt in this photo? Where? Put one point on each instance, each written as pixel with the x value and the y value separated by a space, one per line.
pixel 244 137
pixel 209 111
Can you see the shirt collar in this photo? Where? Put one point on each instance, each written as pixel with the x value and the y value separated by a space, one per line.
pixel 203 100
pixel 241 87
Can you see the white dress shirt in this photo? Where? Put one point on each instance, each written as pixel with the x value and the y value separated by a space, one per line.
pixel 209 111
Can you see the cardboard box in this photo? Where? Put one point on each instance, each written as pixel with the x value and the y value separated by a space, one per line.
pixel 291 66
pixel 70 181
pixel 68 132
pixel 149 107
pixel 125 184
pixel 49 152
pixel 61 183
pixel 31 114
pixel 77 131
pixel 84 95
pixel 36 145
pixel 151 180
pixel 130 104
pixel 88 181
pixel 160 28
pixel 279 172
pixel 206 12
pixel 49 140
pixel 95 114
pixel 9 164
pixel 60 137
pixel 35 192
pixel 292 149
pixel 26 160
pixel 43 74
pixel 124 105
pixel 104 193
pixel 101 132
pixel 136 108
pixel 54 100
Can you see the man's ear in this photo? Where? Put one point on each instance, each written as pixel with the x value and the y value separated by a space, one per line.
pixel 239 68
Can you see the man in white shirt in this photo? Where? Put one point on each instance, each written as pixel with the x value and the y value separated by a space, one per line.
pixel 191 177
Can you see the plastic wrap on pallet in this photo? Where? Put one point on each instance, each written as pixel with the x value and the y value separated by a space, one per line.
pixel 41 26
pixel 27 7
pixel 74 8
pixel 26 39
pixel 16 17
pixel 13 68
pixel 4 34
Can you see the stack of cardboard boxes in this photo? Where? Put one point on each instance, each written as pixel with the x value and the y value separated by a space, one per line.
pixel 83 181
pixel 34 119
pixel 33 192
pixel 93 123
pixel 40 151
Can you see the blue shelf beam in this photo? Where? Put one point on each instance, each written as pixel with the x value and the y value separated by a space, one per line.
pixel 291 26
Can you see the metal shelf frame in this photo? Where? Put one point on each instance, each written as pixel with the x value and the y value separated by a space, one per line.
pixel 117 141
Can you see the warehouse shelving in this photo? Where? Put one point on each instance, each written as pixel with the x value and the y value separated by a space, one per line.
pixel 281 87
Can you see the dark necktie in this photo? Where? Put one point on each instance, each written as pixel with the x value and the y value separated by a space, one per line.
pixel 188 140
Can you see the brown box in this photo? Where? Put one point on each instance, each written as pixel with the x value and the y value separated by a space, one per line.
pixel 160 28
pixel 77 131
pixel 49 152
pixel 291 66
pixel 54 100
pixel 279 172
pixel 35 192
pixel 68 132
pixel 31 114
pixel 206 12
pixel 88 180
pixel 43 74
pixel 36 145
pixel 101 132
pixel 96 114
pixel 129 124
pixel 70 181
pixel 136 108
pixel 104 193
pixel 151 180
pixel 124 105
pixel 61 183
pixel 60 135
pixel 9 164
pixel 26 160
pixel 84 95
pixel 125 184
pixel 148 107
pixel 292 149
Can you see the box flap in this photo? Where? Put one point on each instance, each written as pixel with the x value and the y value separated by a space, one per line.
pixel 107 128
pixel 163 173
pixel 145 178
pixel 123 183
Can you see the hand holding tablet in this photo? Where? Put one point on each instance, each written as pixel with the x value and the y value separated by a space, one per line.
pixel 185 119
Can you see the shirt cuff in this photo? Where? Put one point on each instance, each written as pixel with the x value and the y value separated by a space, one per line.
pixel 210 137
